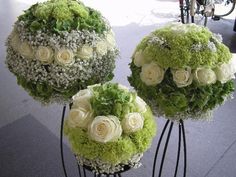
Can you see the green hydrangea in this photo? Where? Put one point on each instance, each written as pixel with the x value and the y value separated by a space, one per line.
pixel 177 49
pixel 63 15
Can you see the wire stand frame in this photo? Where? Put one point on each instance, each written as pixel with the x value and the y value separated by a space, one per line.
pixel 82 170
pixel 181 135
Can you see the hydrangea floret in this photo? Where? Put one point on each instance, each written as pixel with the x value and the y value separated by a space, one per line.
pixel 58 47
pixel 183 71
pixel 111 125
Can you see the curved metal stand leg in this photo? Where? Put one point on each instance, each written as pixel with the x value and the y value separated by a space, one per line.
pixel 84 172
pixel 181 135
pixel 80 171
pixel 185 148
pixel 158 147
pixel 165 149
pixel 61 140
pixel 178 153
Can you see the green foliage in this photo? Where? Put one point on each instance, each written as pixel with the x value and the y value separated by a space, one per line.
pixel 189 100
pixel 109 99
pixel 113 152
pixel 177 50
pixel 63 15
pixel 45 91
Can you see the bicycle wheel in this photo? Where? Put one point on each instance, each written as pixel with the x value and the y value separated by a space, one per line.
pixel 223 8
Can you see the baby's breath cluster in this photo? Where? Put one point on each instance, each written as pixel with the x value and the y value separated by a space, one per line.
pixel 53 63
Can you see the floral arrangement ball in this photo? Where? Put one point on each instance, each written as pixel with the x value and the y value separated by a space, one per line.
pixel 109 128
pixel 183 71
pixel 59 47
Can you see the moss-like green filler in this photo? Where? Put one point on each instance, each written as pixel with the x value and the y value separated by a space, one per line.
pixel 186 101
pixel 113 152
pixel 177 50
pixel 63 15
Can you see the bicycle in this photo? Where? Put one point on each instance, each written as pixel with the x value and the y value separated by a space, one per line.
pixel 198 11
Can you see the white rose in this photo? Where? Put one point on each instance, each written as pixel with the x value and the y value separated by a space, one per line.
pixel 83 94
pixel 205 76
pixel 225 72
pixel 139 59
pixel 105 129
pixel 26 50
pixel 140 104
pixel 152 74
pixel 64 57
pixel 44 54
pixel 80 117
pixel 15 40
pixel 182 77
pixel 132 122
pixel 101 48
pixel 110 39
pixel 85 52
pixel 82 102
pixel 120 86
pixel 94 85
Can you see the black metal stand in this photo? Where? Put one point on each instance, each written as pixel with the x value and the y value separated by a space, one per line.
pixel 181 135
pixel 82 170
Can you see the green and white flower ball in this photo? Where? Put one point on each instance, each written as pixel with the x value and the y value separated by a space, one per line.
pixel 59 47
pixel 183 71
pixel 109 128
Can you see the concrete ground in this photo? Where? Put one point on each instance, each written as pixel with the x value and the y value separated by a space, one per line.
pixel 211 145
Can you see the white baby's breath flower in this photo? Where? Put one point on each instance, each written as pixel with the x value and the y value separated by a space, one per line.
pixel 218 37
pixel 15 40
pixel 212 46
pixel 105 129
pixel 204 76
pixel 139 59
pixel 182 77
pixel 140 104
pixel 44 54
pixel 226 71
pixel 64 57
pixel 101 48
pixel 85 52
pixel 26 50
pixel 80 117
pixel 110 39
pixel 132 122
pixel 152 74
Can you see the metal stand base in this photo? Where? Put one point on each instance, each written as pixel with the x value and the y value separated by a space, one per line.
pixel 82 171
pixel 181 135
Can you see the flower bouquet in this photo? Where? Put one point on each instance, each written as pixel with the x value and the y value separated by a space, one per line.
pixel 183 71
pixel 59 47
pixel 109 128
